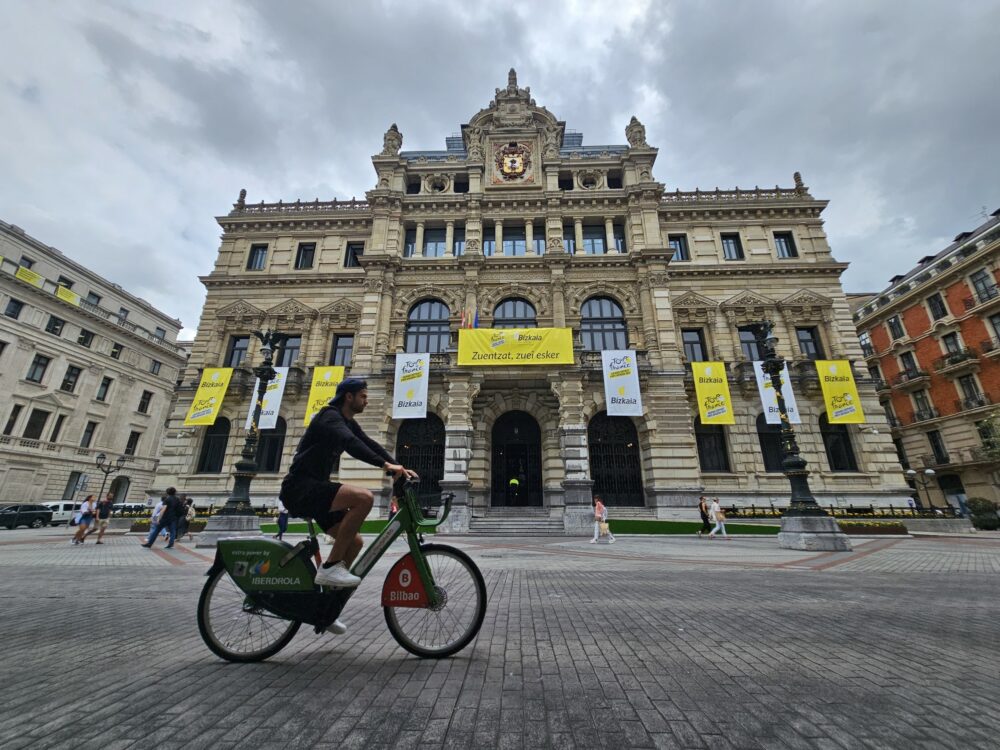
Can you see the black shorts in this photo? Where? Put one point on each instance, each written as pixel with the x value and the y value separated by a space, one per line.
pixel 308 498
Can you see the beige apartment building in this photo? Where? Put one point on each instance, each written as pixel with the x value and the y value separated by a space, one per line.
pixel 931 341
pixel 86 368
pixel 520 223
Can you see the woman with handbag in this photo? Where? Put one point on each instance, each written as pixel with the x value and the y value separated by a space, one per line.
pixel 86 518
pixel 601 527
pixel 719 516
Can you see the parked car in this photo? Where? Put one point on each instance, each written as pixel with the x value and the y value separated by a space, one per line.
pixel 63 512
pixel 25 514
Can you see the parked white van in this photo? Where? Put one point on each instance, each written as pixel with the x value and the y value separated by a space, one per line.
pixel 62 512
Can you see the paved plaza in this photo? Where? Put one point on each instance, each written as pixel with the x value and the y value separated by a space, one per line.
pixel 669 642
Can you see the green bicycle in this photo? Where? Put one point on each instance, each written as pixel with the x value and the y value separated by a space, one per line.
pixel 259 591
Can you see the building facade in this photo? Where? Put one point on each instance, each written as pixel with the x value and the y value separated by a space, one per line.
pixel 931 341
pixel 86 369
pixel 519 224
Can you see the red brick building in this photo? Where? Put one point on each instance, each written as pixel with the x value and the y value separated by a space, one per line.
pixel 931 341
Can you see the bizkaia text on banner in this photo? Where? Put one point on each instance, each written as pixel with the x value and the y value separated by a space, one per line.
pixel 715 405
pixel 324 387
pixel 409 397
pixel 209 397
pixel 272 401
pixel 769 399
pixel 621 383
pixel 840 394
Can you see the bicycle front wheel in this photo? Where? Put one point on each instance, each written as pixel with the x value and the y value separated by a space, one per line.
pixel 237 629
pixel 441 631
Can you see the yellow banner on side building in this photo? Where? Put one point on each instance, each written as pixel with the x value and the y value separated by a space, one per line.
pixel 324 387
pixel 26 274
pixel 67 295
pixel 515 346
pixel 715 405
pixel 211 393
pixel 840 394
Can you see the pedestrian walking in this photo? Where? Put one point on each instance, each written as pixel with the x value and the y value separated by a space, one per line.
pixel 185 517
pixel 601 527
pixel 103 518
pixel 703 512
pixel 282 520
pixel 719 516
pixel 87 511
pixel 190 514
pixel 167 519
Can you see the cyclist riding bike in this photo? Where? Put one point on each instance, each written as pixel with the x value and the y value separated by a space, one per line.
pixel 339 509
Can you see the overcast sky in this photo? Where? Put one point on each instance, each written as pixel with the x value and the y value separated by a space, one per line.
pixel 126 127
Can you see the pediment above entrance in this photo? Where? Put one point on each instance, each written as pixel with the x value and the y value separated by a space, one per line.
pixel 342 310
pixel 291 309
pixel 694 300
pixel 748 300
pixel 805 298
pixel 240 309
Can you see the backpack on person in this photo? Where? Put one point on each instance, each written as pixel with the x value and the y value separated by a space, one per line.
pixel 190 515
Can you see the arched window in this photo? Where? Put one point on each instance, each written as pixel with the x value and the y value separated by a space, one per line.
pixel 837 441
pixel 213 447
pixel 427 327
pixel 602 325
pixel 514 313
pixel 769 436
pixel 420 446
pixel 270 448
pixel 712 453
pixel 615 466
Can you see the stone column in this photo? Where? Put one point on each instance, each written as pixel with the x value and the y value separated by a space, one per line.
pixel 578 517
pixel 418 250
pixel 449 238
pixel 498 237
pixel 609 233
pixel 462 389
pixel 578 230
pixel 529 237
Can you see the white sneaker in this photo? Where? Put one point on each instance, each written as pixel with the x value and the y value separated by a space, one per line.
pixel 593 541
pixel 337 576
pixel 337 628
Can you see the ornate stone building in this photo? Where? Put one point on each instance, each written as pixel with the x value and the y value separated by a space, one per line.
pixel 89 372
pixel 520 222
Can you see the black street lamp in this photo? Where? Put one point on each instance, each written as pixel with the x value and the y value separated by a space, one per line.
pixel 924 483
pixel 108 469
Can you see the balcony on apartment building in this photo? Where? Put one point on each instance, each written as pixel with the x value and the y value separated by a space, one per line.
pixel 959 360
pixel 911 379
pixel 975 401
pixel 922 415
pixel 982 296
pixel 990 347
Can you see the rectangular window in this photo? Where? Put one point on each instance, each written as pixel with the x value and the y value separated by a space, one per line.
pixel 36 423
pixel 995 326
pixel 694 344
pixel 569 238
pixel 86 338
pixel 935 303
pixel 951 343
pixel 900 453
pixel 57 428
pixel 15 412
pixel 785 244
pixel 88 434
pixel 618 231
pixel 459 240
pixel 679 244
pixel 984 286
pixel 13 309
pixel 352 257
pixel 969 388
pixel 289 352
pixel 70 490
pixel 144 400
pixel 748 343
pixel 988 434
pixel 70 379
pixel 103 388
pixel 93 299
pixel 865 339
pixel 257 258
pixel 937 446
pixel 410 243
pixel 133 443
pixel 594 240
pixel 809 343
pixel 160 333
pixel 305 256
pixel 122 313
pixel 538 243
pixel 874 373
pixel 55 325
pixel 515 241
pixel 732 248
pixel 238 346
pixel 909 363
pixel 154 366
pixel 343 345
pixel 26 262
pixel 434 242
pixel 895 327
pixel 489 241
pixel 116 351
pixel 37 370
pixel 921 401
pixel 63 281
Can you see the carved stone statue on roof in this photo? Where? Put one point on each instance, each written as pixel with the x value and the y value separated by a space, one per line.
pixel 392 141
pixel 635 132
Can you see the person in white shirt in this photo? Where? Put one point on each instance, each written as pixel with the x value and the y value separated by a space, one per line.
pixel 716 513
pixel 282 520
pixel 86 518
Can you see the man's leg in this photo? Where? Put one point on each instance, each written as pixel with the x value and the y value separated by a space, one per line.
pixel 171 533
pixel 152 534
pixel 357 503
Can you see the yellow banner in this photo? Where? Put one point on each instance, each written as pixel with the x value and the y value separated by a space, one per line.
pixel 26 274
pixel 715 405
pixel 324 387
pixel 840 394
pixel 67 295
pixel 211 393
pixel 515 346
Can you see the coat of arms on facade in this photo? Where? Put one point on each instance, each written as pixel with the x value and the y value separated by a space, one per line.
pixel 512 163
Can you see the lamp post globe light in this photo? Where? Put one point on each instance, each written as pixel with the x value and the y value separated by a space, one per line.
pixel 107 469
pixel 922 482
pixel 804 525
pixel 237 517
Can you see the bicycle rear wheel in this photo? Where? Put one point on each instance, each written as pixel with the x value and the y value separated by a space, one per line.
pixel 438 632
pixel 235 628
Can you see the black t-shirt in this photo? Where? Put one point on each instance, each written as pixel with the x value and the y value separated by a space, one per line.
pixel 328 435
pixel 171 509
pixel 104 509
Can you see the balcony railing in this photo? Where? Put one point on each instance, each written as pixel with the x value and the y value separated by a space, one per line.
pixel 909 376
pixel 972 402
pixel 922 415
pixel 958 357
pixel 69 451
pixel 936 460
pixel 990 347
pixel 880 385
pixel 981 296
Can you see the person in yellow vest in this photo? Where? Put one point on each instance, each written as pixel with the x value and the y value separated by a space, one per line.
pixel 513 490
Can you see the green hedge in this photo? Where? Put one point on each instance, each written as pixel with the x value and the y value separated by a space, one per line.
pixel 637 526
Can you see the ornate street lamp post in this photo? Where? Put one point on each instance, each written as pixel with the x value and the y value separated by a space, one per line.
pixel 108 469
pixel 923 483
pixel 237 517
pixel 804 525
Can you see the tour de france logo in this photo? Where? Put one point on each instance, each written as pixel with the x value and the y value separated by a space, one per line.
pixel 414 369
pixel 497 339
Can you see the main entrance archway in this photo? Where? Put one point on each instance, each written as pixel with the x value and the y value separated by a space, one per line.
pixel 613 444
pixel 517 455
pixel 420 446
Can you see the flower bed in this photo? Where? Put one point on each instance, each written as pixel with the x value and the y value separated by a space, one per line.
pixel 867 528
